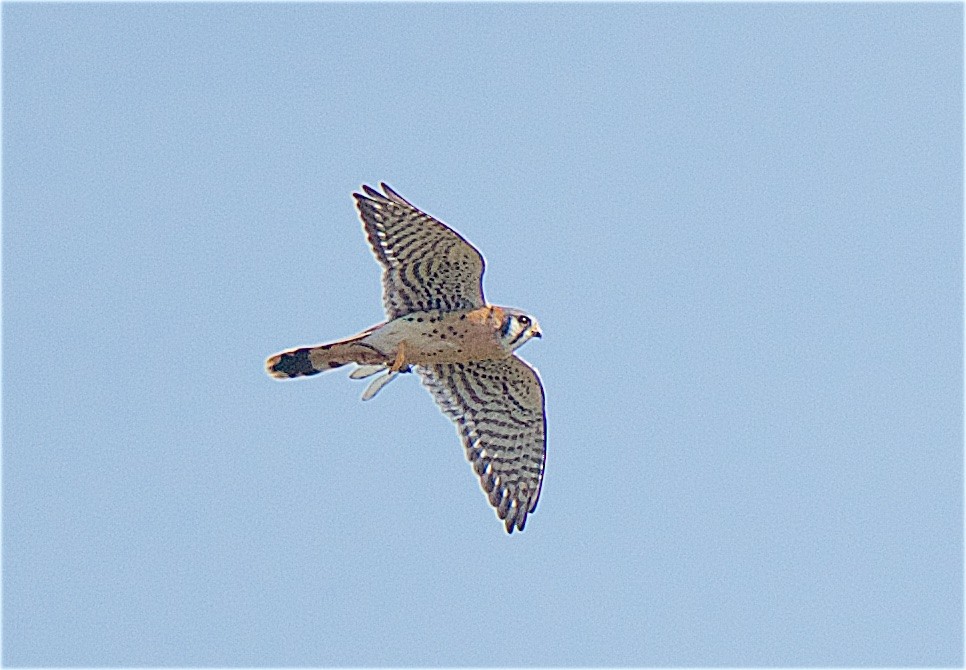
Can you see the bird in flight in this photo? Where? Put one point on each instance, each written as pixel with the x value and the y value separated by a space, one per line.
pixel 461 347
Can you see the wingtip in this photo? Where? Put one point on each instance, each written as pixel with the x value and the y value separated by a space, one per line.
pixel 388 193
pixel 515 520
pixel 370 194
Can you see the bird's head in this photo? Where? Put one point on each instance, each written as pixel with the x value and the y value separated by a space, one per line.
pixel 517 328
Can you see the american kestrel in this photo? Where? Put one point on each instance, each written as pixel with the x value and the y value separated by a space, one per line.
pixel 462 348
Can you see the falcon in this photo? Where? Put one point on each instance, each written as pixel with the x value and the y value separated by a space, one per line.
pixel 463 349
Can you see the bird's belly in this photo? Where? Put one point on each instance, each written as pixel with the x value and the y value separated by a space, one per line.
pixel 429 352
pixel 431 338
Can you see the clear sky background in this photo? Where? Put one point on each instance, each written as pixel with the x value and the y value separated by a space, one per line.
pixel 740 227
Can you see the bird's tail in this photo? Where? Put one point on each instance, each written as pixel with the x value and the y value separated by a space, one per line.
pixel 306 361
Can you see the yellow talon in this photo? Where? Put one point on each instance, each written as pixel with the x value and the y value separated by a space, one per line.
pixel 400 361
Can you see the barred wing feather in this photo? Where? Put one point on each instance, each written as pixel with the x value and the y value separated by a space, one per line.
pixel 426 265
pixel 498 409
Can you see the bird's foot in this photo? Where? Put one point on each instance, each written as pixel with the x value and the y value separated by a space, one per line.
pixel 400 361
pixel 378 383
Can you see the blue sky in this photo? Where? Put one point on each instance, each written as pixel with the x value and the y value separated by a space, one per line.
pixel 739 225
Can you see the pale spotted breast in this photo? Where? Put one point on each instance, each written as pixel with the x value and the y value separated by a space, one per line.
pixel 442 337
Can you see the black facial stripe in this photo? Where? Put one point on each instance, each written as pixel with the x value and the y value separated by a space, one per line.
pixel 506 326
pixel 519 335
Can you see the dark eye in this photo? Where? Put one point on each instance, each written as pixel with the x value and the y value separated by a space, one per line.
pixel 524 321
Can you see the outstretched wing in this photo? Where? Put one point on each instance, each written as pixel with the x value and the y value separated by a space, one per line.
pixel 426 265
pixel 498 408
